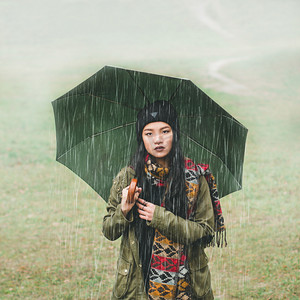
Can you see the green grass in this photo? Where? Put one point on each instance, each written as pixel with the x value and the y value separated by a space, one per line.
pixel 262 261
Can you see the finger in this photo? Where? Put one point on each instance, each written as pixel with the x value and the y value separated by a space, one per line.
pixel 141 217
pixel 142 207
pixel 136 195
pixel 144 217
pixel 133 200
pixel 142 213
pixel 142 201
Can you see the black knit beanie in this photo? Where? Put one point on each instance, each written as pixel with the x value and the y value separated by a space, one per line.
pixel 158 111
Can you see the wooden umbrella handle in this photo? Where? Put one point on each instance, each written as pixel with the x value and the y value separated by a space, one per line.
pixel 131 190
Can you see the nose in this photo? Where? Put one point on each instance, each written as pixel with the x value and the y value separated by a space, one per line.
pixel 157 139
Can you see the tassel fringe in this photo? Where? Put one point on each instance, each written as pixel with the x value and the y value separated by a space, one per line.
pixel 219 239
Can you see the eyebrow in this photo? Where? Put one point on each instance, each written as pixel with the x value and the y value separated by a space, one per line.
pixel 162 128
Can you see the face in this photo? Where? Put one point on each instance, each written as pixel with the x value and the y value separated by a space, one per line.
pixel 158 138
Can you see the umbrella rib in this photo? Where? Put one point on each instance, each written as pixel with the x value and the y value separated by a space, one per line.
pixel 214 116
pixel 102 98
pixel 213 155
pixel 173 95
pixel 96 134
pixel 112 129
pixel 111 101
pixel 139 88
pixel 234 120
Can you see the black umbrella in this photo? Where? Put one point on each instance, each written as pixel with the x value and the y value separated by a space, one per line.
pixel 95 126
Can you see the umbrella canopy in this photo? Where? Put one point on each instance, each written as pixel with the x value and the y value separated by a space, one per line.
pixel 95 127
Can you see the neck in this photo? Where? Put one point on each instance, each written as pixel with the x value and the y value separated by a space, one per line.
pixel 163 162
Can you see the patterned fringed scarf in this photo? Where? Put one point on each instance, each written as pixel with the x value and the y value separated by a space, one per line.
pixel 169 276
pixel 220 229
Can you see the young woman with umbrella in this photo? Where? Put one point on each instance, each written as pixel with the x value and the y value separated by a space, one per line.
pixel 170 221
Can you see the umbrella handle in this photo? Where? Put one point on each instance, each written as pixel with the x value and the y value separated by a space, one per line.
pixel 131 190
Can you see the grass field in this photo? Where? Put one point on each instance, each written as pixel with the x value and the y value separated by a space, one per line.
pixel 51 245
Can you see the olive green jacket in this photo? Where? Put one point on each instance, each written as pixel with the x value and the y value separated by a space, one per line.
pixel 129 278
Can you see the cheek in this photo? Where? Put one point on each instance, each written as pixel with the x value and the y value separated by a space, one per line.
pixel 147 143
pixel 170 143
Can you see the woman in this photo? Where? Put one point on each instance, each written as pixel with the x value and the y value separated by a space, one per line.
pixel 171 220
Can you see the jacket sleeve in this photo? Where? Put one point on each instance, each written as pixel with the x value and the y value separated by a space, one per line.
pixel 185 231
pixel 114 222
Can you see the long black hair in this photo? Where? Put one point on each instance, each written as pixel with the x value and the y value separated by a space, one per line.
pixel 175 195
pixel 174 191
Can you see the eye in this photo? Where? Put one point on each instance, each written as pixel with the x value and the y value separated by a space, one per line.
pixel 166 131
pixel 148 133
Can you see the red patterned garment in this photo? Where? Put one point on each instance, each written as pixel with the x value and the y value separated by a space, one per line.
pixel 169 276
pixel 220 229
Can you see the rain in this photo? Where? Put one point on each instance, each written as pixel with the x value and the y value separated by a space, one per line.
pixel 230 68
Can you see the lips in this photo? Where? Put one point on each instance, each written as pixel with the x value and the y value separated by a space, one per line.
pixel 159 148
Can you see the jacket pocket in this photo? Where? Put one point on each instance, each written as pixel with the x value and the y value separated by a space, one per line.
pixel 201 282
pixel 197 258
pixel 123 273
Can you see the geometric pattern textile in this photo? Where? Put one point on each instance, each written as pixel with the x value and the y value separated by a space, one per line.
pixel 169 276
pixel 220 229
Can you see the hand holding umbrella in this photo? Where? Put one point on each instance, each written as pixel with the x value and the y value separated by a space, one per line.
pixel 129 196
